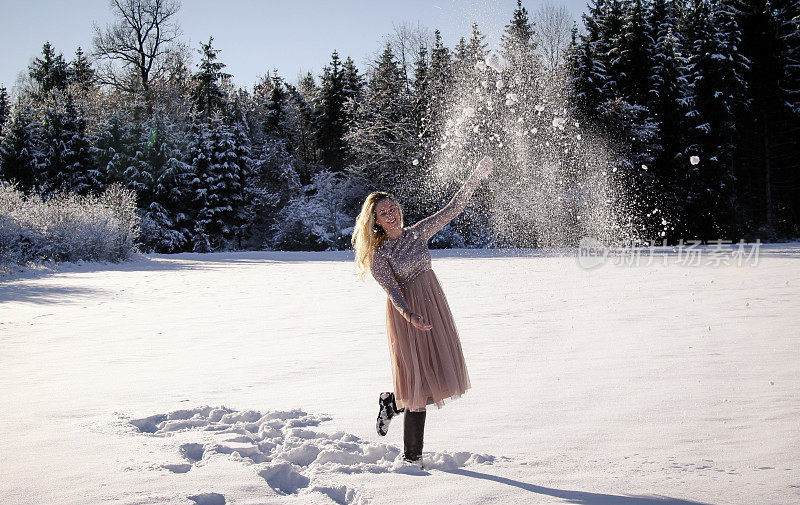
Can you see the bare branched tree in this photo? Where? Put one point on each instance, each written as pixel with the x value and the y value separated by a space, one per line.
pixel 133 51
pixel 553 29
pixel 405 42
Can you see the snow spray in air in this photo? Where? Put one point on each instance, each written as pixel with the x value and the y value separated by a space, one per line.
pixel 554 180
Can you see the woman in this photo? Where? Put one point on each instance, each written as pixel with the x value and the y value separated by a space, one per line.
pixel 427 362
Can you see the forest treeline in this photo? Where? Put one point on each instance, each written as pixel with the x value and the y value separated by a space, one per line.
pixel 700 97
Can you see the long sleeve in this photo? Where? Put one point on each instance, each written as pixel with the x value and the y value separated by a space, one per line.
pixel 429 226
pixel 382 272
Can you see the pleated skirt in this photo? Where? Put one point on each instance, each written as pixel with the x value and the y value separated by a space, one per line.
pixel 428 367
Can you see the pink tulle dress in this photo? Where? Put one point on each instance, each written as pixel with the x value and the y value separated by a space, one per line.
pixel 427 366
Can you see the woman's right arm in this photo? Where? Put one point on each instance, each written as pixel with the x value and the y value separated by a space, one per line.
pixel 384 274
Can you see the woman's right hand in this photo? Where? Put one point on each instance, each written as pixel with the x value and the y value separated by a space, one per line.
pixel 483 169
pixel 418 323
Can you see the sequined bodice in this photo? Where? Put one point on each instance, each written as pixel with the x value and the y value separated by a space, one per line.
pixel 408 255
pixel 398 261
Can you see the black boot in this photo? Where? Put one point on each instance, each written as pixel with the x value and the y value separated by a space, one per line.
pixel 387 409
pixel 413 434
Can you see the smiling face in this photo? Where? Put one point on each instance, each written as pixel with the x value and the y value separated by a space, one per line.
pixel 387 215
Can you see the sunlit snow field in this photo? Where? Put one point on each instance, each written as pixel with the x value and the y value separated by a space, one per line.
pixel 252 378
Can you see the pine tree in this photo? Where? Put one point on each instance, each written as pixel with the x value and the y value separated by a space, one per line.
pixel 50 72
pixel 304 99
pixel 219 157
pixel 271 183
pixel 353 81
pixel 18 149
pixel 787 17
pixel 224 183
pixel 4 107
pixel 518 44
pixel 331 118
pixel 241 157
pixel 67 164
pixel 631 66
pixel 461 61
pixel 112 146
pixel 421 79
pixel 81 71
pixel 439 80
pixel 610 25
pixel 207 95
pixel 196 220
pixel 172 209
pixel 666 98
pixel 148 161
pixel 276 110
pixel 717 90
pixel 440 68
pixel 382 136
pixel 589 74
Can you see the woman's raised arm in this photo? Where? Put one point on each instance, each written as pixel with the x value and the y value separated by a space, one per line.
pixel 429 226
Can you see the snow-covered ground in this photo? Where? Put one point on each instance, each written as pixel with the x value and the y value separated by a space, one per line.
pixel 252 378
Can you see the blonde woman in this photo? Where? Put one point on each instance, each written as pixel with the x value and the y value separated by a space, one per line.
pixel 427 363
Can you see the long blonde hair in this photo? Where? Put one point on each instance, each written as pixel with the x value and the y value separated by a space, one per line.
pixel 367 234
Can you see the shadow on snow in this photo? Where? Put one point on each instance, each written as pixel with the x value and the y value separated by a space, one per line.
pixel 578 497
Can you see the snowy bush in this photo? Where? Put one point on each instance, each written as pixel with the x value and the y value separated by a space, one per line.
pixel 66 227
pixel 316 219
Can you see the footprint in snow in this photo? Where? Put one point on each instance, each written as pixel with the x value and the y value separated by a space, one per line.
pixel 288 454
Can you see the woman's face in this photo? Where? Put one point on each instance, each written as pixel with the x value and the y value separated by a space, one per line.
pixel 387 215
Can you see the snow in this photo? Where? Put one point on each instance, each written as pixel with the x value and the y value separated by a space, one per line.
pixel 493 61
pixel 252 378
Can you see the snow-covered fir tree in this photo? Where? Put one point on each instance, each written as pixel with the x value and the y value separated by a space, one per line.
pixel 219 158
pixel 631 64
pixel 518 43
pixel 81 72
pixel 67 163
pixel 588 65
pixel 353 81
pixel 5 107
pixel 18 150
pixel 382 135
pixel 208 97
pixel 304 98
pixel 666 101
pixel 50 72
pixel 331 118
pixel 718 93
pixel 276 123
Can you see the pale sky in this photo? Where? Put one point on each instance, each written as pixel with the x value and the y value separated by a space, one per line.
pixel 256 37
